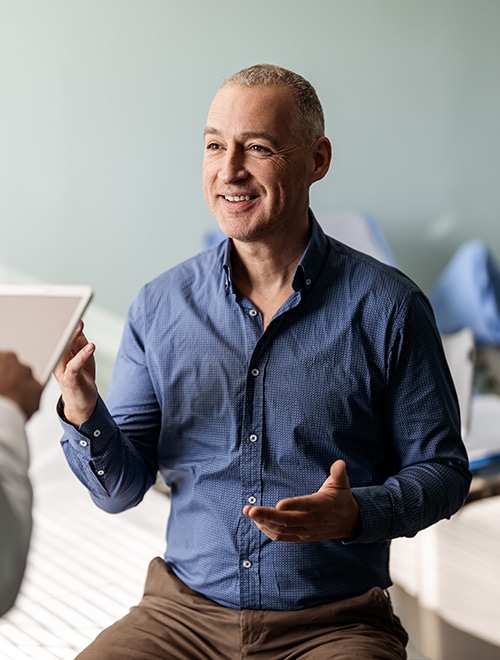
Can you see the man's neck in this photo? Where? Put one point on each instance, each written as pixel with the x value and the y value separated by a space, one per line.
pixel 264 272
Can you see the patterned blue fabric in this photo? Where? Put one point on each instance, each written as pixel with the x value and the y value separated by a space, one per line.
pixel 351 367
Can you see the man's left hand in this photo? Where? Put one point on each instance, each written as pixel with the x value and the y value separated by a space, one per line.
pixel 331 513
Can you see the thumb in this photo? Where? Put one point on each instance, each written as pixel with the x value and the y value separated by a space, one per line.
pixel 338 478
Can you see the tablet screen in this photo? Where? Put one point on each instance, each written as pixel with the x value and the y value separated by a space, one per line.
pixel 37 321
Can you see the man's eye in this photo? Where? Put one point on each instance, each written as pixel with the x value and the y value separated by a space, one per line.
pixel 260 149
pixel 212 146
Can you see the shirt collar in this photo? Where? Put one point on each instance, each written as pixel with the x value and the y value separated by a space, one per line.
pixel 313 258
pixel 228 282
pixel 309 265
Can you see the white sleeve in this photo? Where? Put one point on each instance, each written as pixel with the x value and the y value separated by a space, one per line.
pixel 15 501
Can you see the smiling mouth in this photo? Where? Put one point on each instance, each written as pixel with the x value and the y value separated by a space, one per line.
pixel 238 198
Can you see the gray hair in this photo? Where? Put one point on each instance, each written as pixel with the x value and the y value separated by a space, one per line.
pixel 308 114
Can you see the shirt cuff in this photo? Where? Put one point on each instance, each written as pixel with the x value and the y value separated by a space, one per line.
pixel 94 435
pixel 375 509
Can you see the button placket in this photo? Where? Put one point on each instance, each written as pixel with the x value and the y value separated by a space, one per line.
pixel 251 484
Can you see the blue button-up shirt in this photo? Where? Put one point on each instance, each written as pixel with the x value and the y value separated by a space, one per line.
pixel 350 367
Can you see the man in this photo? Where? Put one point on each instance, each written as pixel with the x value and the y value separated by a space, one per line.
pixel 19 399
pixel 294 395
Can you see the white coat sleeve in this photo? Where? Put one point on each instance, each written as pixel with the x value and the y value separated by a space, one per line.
pixel 15 502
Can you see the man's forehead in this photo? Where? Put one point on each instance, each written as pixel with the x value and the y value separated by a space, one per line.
pixel 255 104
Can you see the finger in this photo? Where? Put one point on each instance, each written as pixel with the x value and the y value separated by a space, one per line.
pixel 80 348
pixel 276 519
pixel 77 331
pixel 300 504
pixel 284 532
pixel 78 361
pixel 290 526
pixel 72 365
pixel 75 344
pixel 60 367
pixel 338 476
pixel 77 339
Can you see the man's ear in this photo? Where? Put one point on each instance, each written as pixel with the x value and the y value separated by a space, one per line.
pixel 322 154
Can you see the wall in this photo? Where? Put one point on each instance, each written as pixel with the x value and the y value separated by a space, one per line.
pixel 103 103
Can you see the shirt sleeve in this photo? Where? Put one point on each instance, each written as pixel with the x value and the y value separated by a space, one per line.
pixel 15 501
pixel 430 479
pixel 114 452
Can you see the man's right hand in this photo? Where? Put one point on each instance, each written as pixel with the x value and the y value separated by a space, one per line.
pixel 75 374
pixel 17 383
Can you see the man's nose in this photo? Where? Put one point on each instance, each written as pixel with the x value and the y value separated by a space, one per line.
pixel 233 166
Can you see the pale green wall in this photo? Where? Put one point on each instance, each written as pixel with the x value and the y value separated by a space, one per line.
pixel 103 103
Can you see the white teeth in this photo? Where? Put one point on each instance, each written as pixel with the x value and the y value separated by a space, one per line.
pixel 237 198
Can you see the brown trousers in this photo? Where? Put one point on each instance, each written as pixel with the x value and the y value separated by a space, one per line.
pixel 172 622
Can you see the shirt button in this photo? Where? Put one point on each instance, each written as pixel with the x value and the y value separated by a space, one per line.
pixel 253 438
pixel 308 282
pixel 247 563
pixel 83 443
pixel 255 372
pixel 100 472
pixel 253 312
pixel 97 433
pixel 252 499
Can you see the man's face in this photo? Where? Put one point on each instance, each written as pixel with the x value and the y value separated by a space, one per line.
pixel 256 171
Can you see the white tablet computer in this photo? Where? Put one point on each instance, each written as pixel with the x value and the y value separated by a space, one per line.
pixel 37 321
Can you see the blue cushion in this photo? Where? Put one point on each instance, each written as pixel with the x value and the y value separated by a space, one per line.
pixel 467 294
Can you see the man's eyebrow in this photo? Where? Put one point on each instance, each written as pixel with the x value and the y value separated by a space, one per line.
pixel 210 131
pixel 248 135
